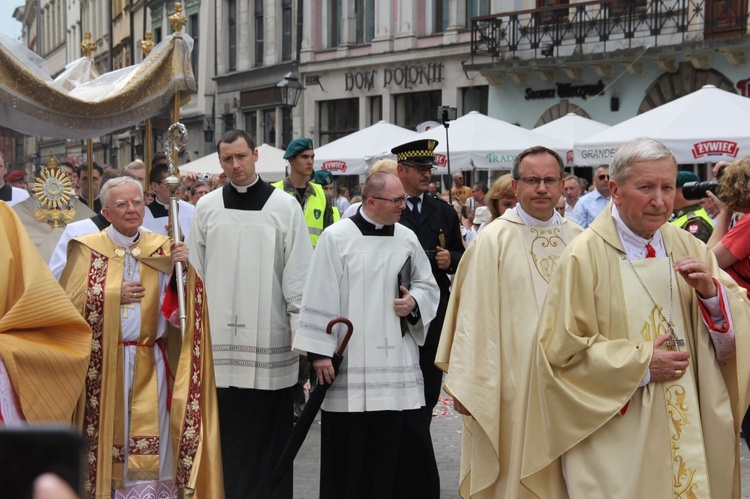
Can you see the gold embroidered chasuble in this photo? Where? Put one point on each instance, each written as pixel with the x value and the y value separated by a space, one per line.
pixel 44 342
pixel 675 439
pixel 93 279
pixel 486 345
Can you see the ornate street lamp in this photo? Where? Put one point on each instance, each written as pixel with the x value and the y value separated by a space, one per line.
pixel 290 89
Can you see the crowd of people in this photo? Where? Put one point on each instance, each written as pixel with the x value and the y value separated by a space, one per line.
pixel 591 340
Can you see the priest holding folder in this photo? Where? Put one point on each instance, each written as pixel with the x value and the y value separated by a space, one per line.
pixel 370 435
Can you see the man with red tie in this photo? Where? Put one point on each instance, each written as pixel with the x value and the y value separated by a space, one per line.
pixel 635 386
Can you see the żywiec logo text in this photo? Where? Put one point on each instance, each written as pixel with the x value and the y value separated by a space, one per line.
pixel 441 159
pixel 715 148
pixel 335 166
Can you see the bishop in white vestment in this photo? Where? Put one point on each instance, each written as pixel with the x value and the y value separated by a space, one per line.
pixel 371 412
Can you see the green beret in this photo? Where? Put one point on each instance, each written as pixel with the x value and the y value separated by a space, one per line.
pixel 297 146
pixel 323 177
pixel 683 177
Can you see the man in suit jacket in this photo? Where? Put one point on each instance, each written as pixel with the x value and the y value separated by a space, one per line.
pixel 437 227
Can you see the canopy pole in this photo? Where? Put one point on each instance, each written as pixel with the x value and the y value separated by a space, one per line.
pixel 90 166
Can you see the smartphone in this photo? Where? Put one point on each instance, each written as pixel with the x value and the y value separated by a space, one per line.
pixel 27 452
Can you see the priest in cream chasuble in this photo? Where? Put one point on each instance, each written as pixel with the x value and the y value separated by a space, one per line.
pixel 150 428
pixel 636 389
pixel 488 336
pixel 370 421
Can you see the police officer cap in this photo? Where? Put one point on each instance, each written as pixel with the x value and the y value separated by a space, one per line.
pixel 419 152
pixel 685 177
pixel 297 146
pixel 323 177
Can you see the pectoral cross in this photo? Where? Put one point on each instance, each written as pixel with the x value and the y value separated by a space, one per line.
pixel 235 325
pixel 674 342
pixel 124 307
pixel 386 347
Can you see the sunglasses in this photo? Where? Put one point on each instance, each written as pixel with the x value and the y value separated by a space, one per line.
pixel 604 176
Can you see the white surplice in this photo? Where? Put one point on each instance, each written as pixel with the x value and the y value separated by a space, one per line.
pixel 356 276
pixel 254 264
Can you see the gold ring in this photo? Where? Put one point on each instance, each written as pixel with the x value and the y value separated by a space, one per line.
pixel 135 295
pixel 677 373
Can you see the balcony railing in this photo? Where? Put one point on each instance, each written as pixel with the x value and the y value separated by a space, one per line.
pixel 564 30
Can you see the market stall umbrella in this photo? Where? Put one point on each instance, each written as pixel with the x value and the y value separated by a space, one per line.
pixel 270 166
pixel 708 125
pixel 355 153
pixel 571 129
pixel 478 141
pixel 311 408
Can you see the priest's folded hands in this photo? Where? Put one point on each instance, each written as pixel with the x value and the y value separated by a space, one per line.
pixel 667 365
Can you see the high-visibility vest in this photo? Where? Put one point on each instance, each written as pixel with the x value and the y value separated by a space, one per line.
pixel 700 213
pixel 314 208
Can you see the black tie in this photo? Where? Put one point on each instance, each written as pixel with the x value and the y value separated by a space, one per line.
pixel 415 206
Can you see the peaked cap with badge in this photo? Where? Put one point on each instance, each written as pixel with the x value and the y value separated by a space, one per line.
pixel 420 152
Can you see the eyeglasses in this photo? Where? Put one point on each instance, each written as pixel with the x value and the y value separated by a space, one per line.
pixel 396 201
pixel 122 205
pixel 423 169
pixel 535 181
pixel 604 176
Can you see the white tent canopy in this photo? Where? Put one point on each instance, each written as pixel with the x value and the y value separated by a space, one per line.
pixel 271 164
pixel 478 141
pixel 708 125
pixel 355 153
pixel 571 129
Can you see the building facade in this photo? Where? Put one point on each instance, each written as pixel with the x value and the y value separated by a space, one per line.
pixel 608 60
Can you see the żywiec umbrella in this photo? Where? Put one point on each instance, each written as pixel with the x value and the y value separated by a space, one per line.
pixel 705 126
pixel 355 153
pixel 311 408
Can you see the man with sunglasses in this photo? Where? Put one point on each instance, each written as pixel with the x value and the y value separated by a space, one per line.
pixel 437 227
pixel 590 205
pixel 490 324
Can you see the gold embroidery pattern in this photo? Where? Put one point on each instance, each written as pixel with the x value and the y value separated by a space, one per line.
pixel 95 317
pixel 655 325
pixel 192 426
pixel 545 238
pixel 683 479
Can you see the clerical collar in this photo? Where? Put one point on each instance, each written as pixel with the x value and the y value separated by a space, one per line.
pixel 120 239
pixel 244 188
pixel 635 245
pixel 370 221
pixel 527 219
pixel 156 200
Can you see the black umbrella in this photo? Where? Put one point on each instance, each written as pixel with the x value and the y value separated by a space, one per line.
pixel 311 408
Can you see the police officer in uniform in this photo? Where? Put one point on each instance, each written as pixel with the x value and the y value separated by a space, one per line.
pixel 689 214
pixel 437 227
pixel 315 204
pixel 318 216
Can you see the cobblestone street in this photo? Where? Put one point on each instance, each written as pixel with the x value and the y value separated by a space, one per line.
pixel 446 437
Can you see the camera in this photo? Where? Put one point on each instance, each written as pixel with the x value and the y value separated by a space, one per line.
pixel 204 176
pixel 697 190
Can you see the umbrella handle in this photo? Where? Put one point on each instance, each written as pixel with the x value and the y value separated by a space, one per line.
pixel 349 330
